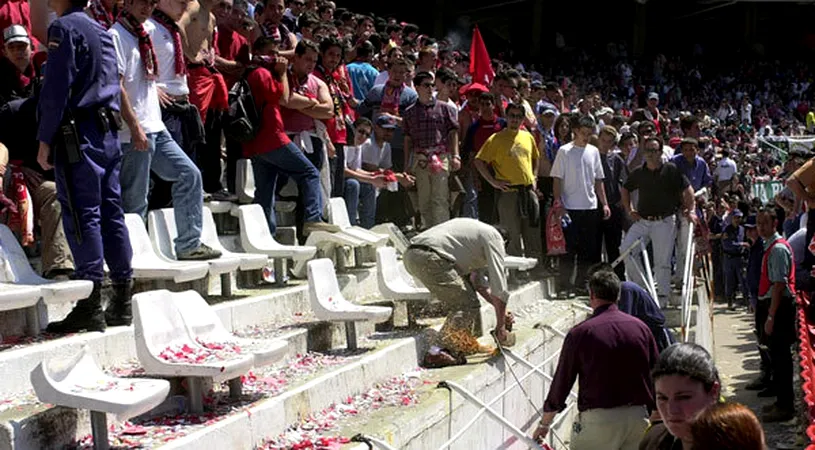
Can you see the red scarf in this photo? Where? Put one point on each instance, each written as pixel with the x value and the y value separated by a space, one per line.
pixel 164 20
pixel 391 99
pixel 146 50
pixel 100 14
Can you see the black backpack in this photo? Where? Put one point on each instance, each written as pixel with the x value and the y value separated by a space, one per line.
pixel 242 120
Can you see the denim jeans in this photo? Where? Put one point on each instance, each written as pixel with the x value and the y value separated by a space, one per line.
pixel 360 196
pixel 470 206
pixel 287 160
pixel 166 159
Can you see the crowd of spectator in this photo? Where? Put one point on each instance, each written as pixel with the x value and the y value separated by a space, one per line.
pixel 369 109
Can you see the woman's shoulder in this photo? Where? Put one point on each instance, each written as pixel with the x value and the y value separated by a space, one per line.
pixel 657 437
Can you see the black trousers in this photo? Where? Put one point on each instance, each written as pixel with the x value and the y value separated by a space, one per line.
pixel 611 232
pixel 209 154
pixel 780 351
pixel 581 242
pixel 337 168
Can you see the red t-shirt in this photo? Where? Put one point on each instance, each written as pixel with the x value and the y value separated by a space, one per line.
pixel 267 92
pixel 486 128
pixel 233 47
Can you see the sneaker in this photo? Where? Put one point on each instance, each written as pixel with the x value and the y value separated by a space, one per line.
pixel 202 253
pixel 224 196
pixel 310 227
pixel 777 414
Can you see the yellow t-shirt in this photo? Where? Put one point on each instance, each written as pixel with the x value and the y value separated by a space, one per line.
pixel 810 118
pixel 512 155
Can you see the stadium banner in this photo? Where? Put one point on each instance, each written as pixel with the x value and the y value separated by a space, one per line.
pixel 767 190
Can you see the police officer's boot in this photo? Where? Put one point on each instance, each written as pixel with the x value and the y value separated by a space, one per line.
pixel 86 315
pixel 119 311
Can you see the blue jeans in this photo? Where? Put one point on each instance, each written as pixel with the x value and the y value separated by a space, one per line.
pixel 360 196
pixel 166 159
pixel 470 206
pixel 287 160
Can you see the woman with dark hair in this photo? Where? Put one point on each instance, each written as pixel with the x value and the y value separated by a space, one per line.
pixel 686 382
pixel 563 131
pixel 727 426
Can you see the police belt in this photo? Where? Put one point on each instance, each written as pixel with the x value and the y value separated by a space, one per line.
pixel 107 119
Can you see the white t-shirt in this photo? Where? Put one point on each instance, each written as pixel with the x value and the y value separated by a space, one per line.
pixel 168 80
pixel 726 169
pixel 578 168
pixel 747 113
pixel 141 92
pixel 373 154
pixel 353 158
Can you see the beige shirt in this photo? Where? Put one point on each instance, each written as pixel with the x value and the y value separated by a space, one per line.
pixel 472 245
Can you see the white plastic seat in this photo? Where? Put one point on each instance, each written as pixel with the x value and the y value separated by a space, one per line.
pixel 219 207
pixel 519 263
pixel 339 217
pixel 13 296
pixel 15 269
pixel 205 327
pixel 79 383
pixel 149 265
pixel 391 281
pixel 160 330
pixel 163 231
pixel 256 237
pixel 209 236
pixel 326 242
pixel 330 305
pixel 245 181
pixel 397 238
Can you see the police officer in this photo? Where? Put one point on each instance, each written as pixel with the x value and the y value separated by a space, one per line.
pixel 735 248
pixel 79 122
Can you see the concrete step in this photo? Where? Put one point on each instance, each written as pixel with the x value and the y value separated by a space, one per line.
pixel 29 425
pixel 673 316
pixel 288 306
pixel 440 414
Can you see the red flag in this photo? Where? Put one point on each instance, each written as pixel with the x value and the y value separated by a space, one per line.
pixel 480 63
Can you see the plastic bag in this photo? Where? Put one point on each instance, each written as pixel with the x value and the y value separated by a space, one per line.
pixel 555 240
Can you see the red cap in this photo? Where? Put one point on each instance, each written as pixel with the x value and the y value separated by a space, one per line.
pixel 467 88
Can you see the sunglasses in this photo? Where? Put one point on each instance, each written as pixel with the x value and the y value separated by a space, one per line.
pixel 426 85
pixel 516 116
pixel 653 150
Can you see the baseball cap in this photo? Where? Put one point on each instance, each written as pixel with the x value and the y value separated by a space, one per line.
pixel 386 122
pixel 16 33
pixel 473 87
pixel 604 110
pixel 737 213
pixel 537 84
pixel 653 96
pixel 750 222
pixel 548 110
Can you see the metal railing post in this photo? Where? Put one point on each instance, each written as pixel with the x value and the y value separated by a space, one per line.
pixel 625 253
pixel 491 412
pixel 649 276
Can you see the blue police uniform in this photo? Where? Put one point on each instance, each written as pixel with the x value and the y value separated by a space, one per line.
pixel 734 253
pixel 82 81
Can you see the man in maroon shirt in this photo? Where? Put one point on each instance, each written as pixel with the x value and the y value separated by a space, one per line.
pixel 611 354
pixel 479 206
pixel 272 152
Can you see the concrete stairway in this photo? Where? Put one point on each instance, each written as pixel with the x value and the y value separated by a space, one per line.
pixel 263 412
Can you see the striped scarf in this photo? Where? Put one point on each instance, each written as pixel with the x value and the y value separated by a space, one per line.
pixel 100 14
pixel 164 20
pixel 146 50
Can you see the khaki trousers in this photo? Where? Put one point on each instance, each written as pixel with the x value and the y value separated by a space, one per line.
pixel 518 228
pixel 56 254
pixel 442 279
pixel 433 190
pixel 609 429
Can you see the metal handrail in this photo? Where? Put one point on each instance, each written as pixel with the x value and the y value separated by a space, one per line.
pixel 625 253
pixel 687 293
pixel 450 385
pixel 371 442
